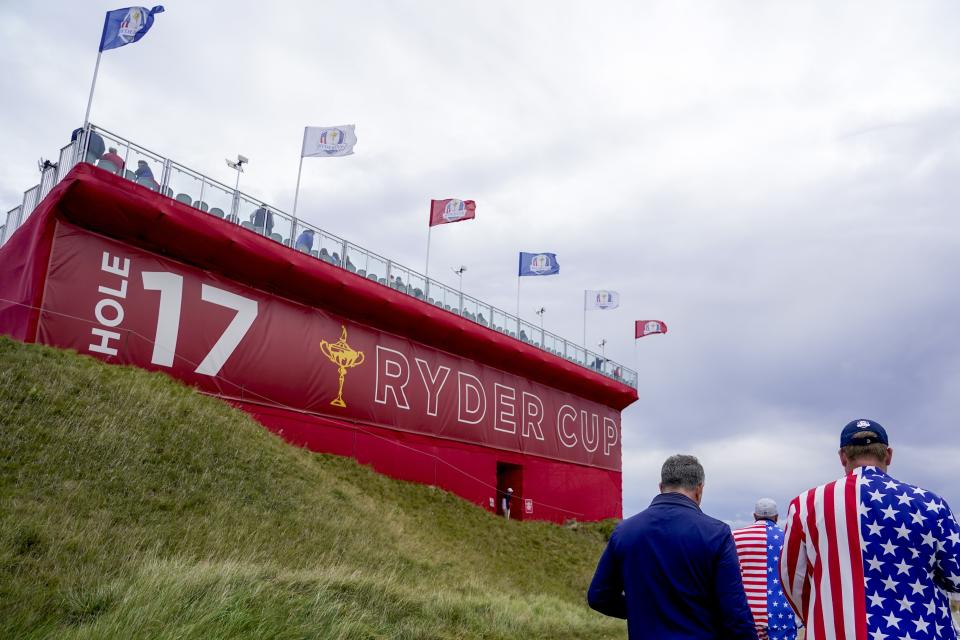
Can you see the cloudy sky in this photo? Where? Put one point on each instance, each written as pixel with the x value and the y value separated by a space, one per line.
pixel 778 181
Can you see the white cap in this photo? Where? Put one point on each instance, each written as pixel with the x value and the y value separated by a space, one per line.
pixel 765 508
pixel 509 489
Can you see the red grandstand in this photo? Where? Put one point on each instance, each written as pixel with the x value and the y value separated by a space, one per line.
pixel 324 356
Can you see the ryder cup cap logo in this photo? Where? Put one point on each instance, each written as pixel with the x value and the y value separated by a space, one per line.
pixel 331 141
pixel 454 210
pixel 651 327
pixel 604 299
pixel 864 424
pixel 131 24
pixel 540 263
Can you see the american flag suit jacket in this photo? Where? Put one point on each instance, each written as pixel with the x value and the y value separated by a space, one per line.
pixel 870 558
pixel 758 548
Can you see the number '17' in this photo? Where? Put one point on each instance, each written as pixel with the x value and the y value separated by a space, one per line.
pixel 170 286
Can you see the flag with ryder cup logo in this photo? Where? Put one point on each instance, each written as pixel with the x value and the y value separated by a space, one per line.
pixel 328 142
pixel 538 264
pixel 125 26
pixel 603 300
pixel 451 210
pixel 649 327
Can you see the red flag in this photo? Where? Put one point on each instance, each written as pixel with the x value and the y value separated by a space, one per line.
pixel 649 327
pixel 451 210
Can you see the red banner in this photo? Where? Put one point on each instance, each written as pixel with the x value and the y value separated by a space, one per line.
pixel 649 327
pixel 114 301
pixel 451 210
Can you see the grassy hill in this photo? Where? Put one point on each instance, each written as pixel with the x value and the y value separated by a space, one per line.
pixel 133 507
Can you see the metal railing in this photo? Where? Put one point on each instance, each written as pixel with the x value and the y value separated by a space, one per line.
pixel 125 158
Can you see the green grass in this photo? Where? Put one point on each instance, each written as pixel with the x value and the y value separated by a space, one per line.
pixel 133 507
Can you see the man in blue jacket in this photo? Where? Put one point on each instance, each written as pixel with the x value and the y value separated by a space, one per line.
pixel 671 570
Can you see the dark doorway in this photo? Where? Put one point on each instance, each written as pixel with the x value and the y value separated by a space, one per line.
pixel 510 476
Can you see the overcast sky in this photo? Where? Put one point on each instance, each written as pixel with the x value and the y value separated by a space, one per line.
pixel 778 181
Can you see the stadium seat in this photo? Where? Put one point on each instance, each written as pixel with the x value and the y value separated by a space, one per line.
pixel 362 273
pixel 216 211
pixel 130 175
pixel 184 198
pixel 315 253
pixel 247 225
pixel 235 219
pixel 167 191
pixel 200 204
pixel 372 276
pixel 106 165
pixel 148 182
pixel 276 237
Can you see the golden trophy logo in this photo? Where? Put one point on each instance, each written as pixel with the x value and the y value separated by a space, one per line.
pixel 345 357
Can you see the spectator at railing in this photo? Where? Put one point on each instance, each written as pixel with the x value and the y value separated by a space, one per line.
pixel 95 144
pixel 349 266
pixel 143 170
pixel 305 241
pixel 114 159
pixel 263 219
pixel 336 258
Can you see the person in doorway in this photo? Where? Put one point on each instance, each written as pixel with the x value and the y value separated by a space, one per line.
pixel 671 570
pixel 505 502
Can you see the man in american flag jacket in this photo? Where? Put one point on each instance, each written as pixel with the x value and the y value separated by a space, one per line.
pixel 868 557
pixel 758 548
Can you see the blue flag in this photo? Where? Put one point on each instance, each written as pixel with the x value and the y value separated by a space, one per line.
pixel 538 264
pixel 124 26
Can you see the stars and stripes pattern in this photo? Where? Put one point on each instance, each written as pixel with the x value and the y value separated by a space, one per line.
pixel 758 548
pixel 870 558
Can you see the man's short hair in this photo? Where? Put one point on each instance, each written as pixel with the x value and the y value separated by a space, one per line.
pixel 876 450
pixel 681 472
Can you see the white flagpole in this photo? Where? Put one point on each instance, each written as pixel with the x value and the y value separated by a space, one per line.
pixel 296 193
pixel 93 85
pixel 584 318
pixel 518 303
pixel 426 267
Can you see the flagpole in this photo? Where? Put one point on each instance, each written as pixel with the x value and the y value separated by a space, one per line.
pixel 584 318
pixel 426 267
pixel 93 85
pixel 518 305
pixel 296 193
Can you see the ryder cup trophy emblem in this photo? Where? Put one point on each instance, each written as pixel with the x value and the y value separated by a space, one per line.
pixel 345 357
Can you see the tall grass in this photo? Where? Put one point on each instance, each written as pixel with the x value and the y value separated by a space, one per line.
pixel 133 507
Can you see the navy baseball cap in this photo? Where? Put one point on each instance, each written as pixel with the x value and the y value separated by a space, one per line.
pixel 856 426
